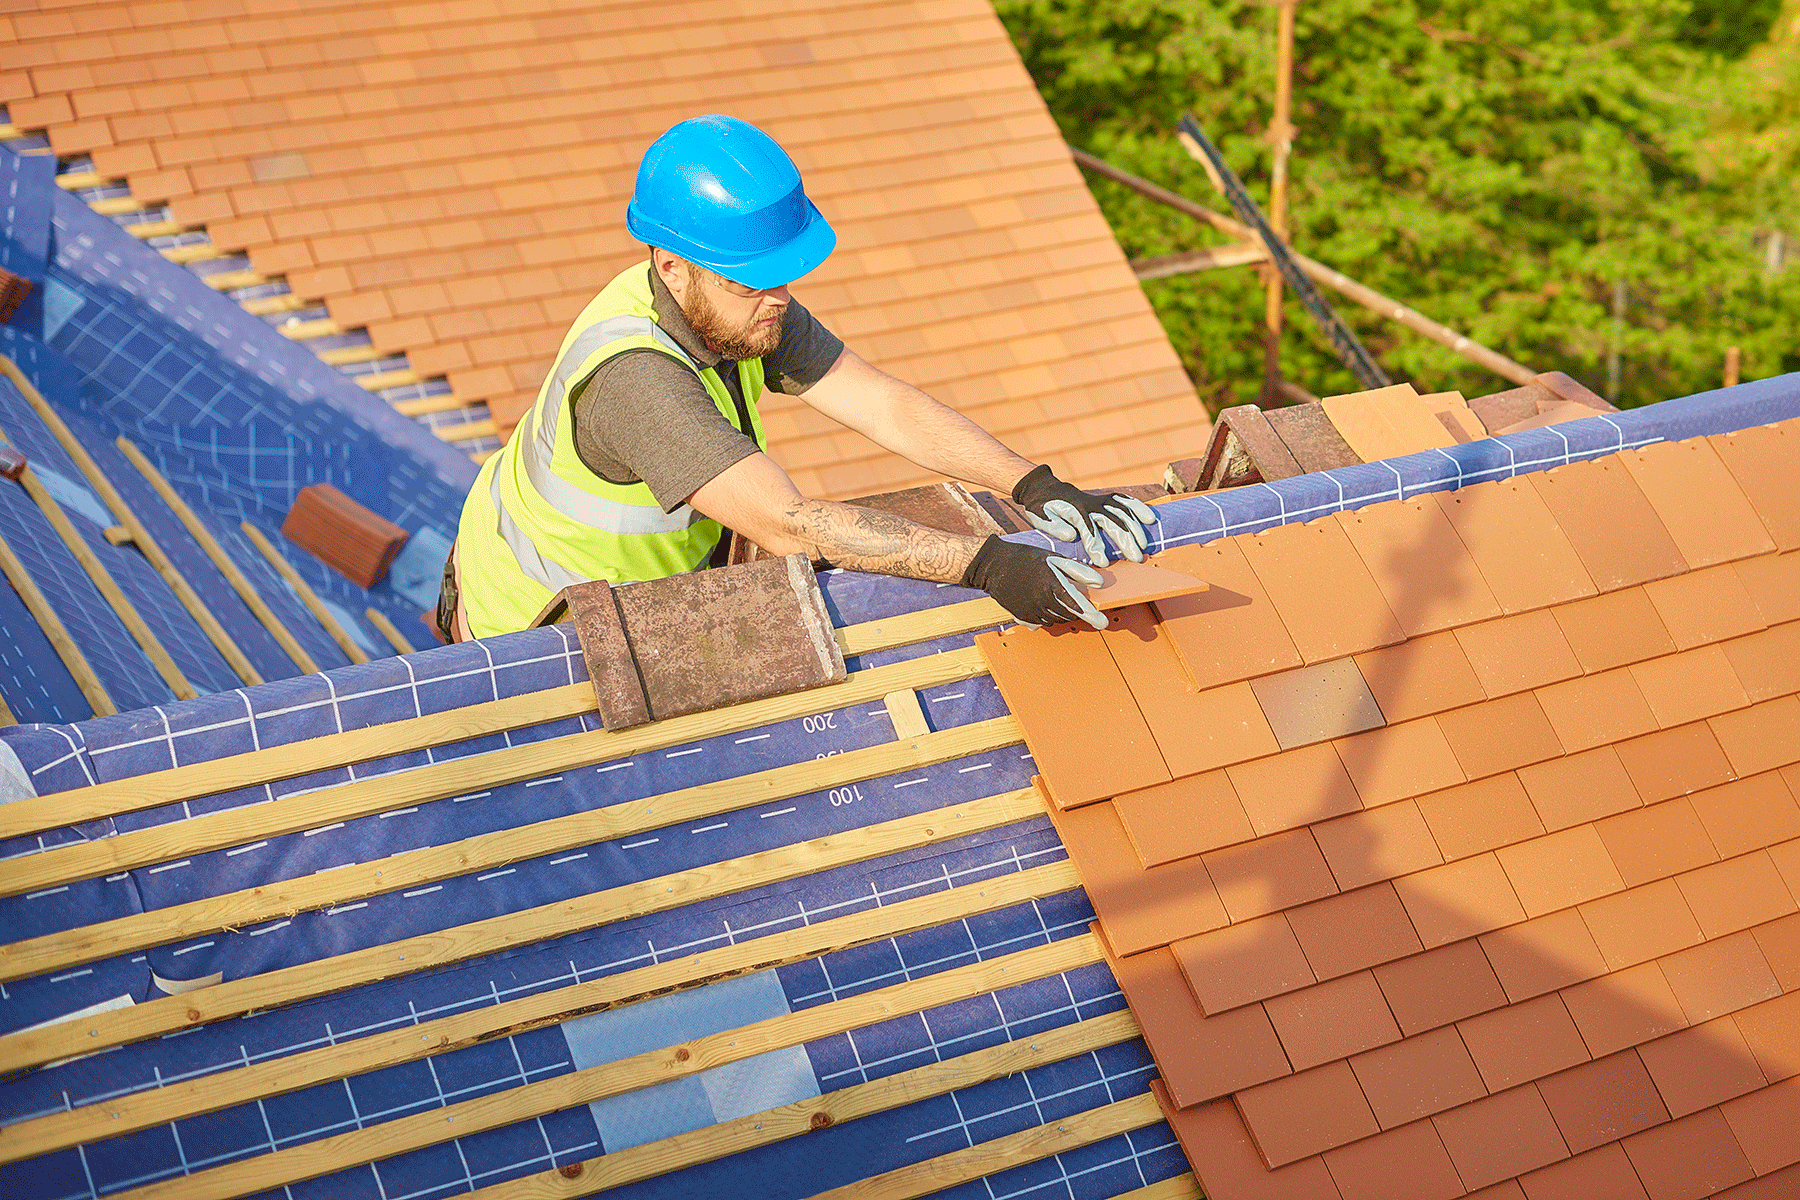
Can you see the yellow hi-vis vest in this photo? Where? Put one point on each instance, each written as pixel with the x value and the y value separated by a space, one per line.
pixel 538 520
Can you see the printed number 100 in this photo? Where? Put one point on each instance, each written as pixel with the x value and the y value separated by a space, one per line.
pixel 844 795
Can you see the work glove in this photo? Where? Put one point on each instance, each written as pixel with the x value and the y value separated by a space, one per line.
pixel 1034 585
pixel 1068 514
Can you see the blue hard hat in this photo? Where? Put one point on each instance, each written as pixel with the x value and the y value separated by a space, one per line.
pixel 720 192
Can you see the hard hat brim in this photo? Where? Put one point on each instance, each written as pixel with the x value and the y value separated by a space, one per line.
pixel 785 263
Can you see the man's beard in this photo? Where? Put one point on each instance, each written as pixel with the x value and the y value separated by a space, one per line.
pixel 745 341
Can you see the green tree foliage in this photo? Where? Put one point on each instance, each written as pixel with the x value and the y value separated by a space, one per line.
pixel 1497 164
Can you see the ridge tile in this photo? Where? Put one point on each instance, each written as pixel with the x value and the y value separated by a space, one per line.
pixel 1761 738
pixel 1597 710
pixel 1518 653
pixel 1303 1114
pixel 1559 870
pixel 1700 1066
pixel 1269 874
pixel 1700 504
pixel 1441 986
pixel 1544 954
pixel 1689 686
pixel 1286 791
pixel 1480 816
pixel 1138 908
pixel 1424 571
pixel 1523 1042
pixel 1409 1163
pixel 1603 1171
pixel 1317 703
pixel 1242 963
pixel 1694 1156
pixel 1459 900
pixel 1640 924
pixel 1345 618
pixel 1400 761
pixel 1353 931
pixel 1226 1161
pixel 1381 843
pixel 1500 735
pixel 1500 1137
pixel 1420 676
pixel 1230 631
pixel 1425 1074
pixel 1603 1101
pixel 1182 818
pixel 1761 461
pixel 1332 1020
pixel 1616 533
pixel 1625 1009
pixel 1614 630
pixel 1708 605
pixel 1523 555
pixel 1581 787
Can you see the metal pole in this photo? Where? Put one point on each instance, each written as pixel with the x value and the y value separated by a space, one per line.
pixel 1281 139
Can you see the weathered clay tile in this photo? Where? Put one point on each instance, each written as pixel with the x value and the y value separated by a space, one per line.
pixel 1619 537
pixel 1241 963
pixel 1230 631
pixel 1419 677
pixel 1183 817
pixel 1317 703
pixel 1303 1114
pixel 1425 1074
pixel 1325 623
pixel 1700 504
pixel 1332 1020
pixel 1603 1101
pixel 1422 568
pixel 1523 555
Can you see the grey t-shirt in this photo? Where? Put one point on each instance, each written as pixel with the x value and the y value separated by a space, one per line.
pixel 645 416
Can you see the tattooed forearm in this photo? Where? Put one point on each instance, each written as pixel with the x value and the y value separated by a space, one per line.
pixel 865 539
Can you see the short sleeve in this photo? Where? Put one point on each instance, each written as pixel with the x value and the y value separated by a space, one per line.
pixel 806 352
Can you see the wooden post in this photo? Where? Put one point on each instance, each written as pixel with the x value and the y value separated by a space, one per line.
pixel 1614 370
pixel 1732 361
pixel 1281 140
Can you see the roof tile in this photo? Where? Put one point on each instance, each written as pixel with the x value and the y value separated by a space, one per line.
pixel 1480 816
pixel 1457 900
pixel 1317 703
pixel 1523 556
pixel 1543 954
pixel 1111 749
pixel 1603 1101
pixel 1641 923
pixel 1200 1057
pixel 1582 787
pixel 1355 930
pixel 1367 847
pixel 1241 963
pixel 1332 1020
pixel 1708 605
pixel 1324 623
pixel 1226 1160
pixel 1767 664
pixel 1689 686
pixel 1306 1113
pixel 1761 460
pixel 1699 502
pixel 1603 1171
pixel 1522 1042
pixel 1183 817
pixel 1138 908
pixel 1559 870
pixel 1409 1163
pixel 1614 629
pixel 1400 761
pixel 1597 710
pixel 1626 1008
pixel 1763 1124
pixel 1761 738
pixel 1700 1066
pixel 1500 735
pixel 1694 1156
pixel 1269 874
pixel 1674 762
pixel 1618 536
pixel 1294 789
pixel 1230 631
pixel 1773 582
pixel 1515 654
pixel 1787 854
pixel 1721 976
pixel 1425 1074
pixel 1778 1185
pixel 1772 1029
pixel 1425 573
pixel 1779 942
pixel 1420 676
pixel 1501 1136
pixel 1425 991
pixel 1736 894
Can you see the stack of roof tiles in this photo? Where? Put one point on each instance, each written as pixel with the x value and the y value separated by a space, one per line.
pixel 453 176
pixel 1450 846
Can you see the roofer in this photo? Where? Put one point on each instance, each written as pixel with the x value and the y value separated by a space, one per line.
pixel 645 443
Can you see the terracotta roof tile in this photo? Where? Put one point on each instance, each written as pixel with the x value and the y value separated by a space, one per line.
pixel 1773 582
pixel 1597 710
pixel 1701 1066
pixel 1761 460
pixel 1480 816
pixel 1426 575
pixel 1269 874
pixel 1641 923
pixel 1200 1057
pixel 1400 761
pixel 1656 842
pixel 1440 986
pixel 1403 1164
pixel 1689 686
pixel 1708 605
pixel 1306 1113
pixel 1581 787
pixel 1381 843
pixel 1603 1101
pixel 1242 963
pixel 1698 501
pixel 1183 817
pixel 1500 735
pixel 1694 1156
pixel 1111 750
pixel 1501 1136
pixel 1779 942
pixel 1317 703
pixel 1421 676
pixel 1674 762
pixel 1786 856
pixel 1516 654
pixel 1350 616
pixel 1523 555
pixel 1559 870
pixel 1736 894
pixel 1764 1126
pixel 1720 976
pixel 1355 930
pixel 1137 908
pixel 1772 1029
pixel 1458 900
pixel 1760 738
pixel 1425 1074
pixel 1332 1020
pixel 1614 629
pixel 1767 664
pixel 1227 1162
pixel 1613 528
pixel 1523 1042
pixel 1604 1171
pixel 1543 954
pixel 1777 1185
pixel 1289 790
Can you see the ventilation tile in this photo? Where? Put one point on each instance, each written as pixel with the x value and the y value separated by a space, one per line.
pixel 1214 1139
pixel 1399 761
pixel 1138 908
pixel 1480 816
pixel 1425 1074
pixel 1183 817
pixel 1761 461
pixel 1603 1101
pixel 1523 555
pixel 1761 738
pixel 1689 686
pixel 1269 874
pixel 1618 536
pixel 1699 502
pixel 1424 572
pixel 1409 1163
pixel 1242 963
pixel 1614 630
pixel 1736 894
pixel 1306 1113
pixel 1345 618
pixel 1458 900
pixel 1516 654
pixel 1440 986
pixel 1317 703
pixel 1542 955
pixel 1597 710
pixel 1640 924
pixel 1624 1009
pixel 1694 1156
pixel 1382 843
pixel 1353 931
pixel 1706 606
pixel 1230 631
pixel 1656 842
pixel 1523 1042
pixel 1500 1137
pixel 1604 1171
pixel 1701 1066
pixel 1289 790
pixel 1674 762
pixel 1419 677
pixel 1332 1020
pixel 1582 787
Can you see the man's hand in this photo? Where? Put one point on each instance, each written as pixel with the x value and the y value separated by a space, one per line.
pixel 1034 585
pixel 1068 514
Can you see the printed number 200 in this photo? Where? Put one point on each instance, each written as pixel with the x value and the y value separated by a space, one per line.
pixel 844 795
pixel 819 724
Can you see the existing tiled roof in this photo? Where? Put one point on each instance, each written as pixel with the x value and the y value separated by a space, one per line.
pixel 1450 845
pixel 453 176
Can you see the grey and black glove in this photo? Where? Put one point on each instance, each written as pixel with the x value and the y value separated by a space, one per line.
pixel 1034 585
pixel 1068 514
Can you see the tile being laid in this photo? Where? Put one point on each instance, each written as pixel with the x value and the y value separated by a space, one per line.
pixel 1138 908
pixel 1183 817
pixel 1708 605
pixel 1286 791
pixel 1424 572
pixel 1109 749
pixel 1326 598
pixel 1763 461
pixel 1419 677
pixel 1701 505
pixel 1230 631
pixel 1617 534
pixel 1524 557
pixel 1125 582
pixel 1518 653
pixel 1317 703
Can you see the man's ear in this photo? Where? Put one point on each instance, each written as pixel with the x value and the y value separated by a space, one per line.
pixel 671 269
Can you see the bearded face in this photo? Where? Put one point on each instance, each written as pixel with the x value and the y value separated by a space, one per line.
pixel 736 326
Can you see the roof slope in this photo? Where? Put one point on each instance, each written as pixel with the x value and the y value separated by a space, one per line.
pixel 454 177
pixel 1452 841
